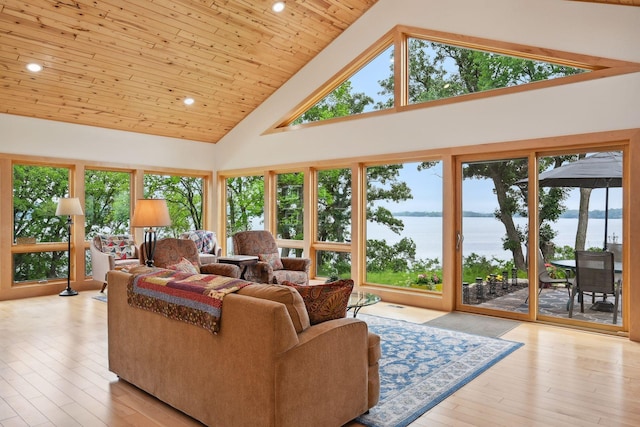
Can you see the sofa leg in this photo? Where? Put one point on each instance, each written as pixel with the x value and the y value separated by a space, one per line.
pixel 104 286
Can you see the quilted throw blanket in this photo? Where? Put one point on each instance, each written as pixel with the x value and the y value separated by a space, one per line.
pixel 191 298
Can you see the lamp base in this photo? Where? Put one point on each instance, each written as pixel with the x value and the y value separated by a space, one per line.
pixel 68 293
pixel 149 245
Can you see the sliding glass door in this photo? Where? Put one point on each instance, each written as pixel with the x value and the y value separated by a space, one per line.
pixel 492 236
pixel 504 269
pixel 581 192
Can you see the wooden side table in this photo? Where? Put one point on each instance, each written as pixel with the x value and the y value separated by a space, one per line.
pixel 242 261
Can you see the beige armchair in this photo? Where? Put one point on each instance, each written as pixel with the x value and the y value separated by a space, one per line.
pixel 111 252
pixel 271 268
pixel 170 251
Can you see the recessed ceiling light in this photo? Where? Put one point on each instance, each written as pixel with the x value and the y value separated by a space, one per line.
pixel 189 101
pixel 33 67
pixel 278 6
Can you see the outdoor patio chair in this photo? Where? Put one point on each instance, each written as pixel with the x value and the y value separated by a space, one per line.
pixel 616 250
pixel 595 275
pixel 545 280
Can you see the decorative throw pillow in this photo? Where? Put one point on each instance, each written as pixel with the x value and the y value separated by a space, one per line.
pixel 204 240
pixel 185 266
pixel 120 246
pixel 273 259
pixel 324 302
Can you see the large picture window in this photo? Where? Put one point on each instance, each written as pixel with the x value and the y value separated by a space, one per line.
pixel 36 190
pixel 107 202
pixel 404 225
pixel 184 196
pixel 290 206
pixel 244 204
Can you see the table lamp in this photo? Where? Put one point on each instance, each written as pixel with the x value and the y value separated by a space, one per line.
pixel 69 206
pixel 150 213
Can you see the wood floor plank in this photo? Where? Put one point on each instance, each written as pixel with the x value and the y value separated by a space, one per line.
pixel 54 372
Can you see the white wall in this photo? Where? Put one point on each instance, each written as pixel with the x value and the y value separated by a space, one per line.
pixel 22 135
pixel 593 29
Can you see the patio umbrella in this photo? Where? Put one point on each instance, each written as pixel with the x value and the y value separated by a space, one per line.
pixel 600 170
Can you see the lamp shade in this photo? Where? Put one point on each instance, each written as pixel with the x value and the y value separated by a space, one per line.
pixel 69 206
pixel 151 213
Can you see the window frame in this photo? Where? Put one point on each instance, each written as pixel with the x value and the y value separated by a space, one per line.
pixel 399 35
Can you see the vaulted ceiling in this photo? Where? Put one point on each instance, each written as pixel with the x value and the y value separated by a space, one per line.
pixel 130 64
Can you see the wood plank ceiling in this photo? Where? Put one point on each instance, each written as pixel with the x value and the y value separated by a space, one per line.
pixel 129 64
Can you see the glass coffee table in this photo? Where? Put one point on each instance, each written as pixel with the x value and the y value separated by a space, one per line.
pixel 360 299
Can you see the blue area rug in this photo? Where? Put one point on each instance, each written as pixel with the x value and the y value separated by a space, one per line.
pixel 100 297
pixel 421 366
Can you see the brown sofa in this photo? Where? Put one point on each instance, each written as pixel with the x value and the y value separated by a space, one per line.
pixel 266 367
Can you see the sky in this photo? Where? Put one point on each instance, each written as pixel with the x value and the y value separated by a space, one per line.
pixel 366 80
pixel 426 187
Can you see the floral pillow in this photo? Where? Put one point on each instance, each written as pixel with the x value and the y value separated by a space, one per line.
pixel 324 302
pixel 185 266
pixel 273 259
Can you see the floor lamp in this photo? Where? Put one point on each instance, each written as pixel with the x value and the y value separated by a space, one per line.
pixel 150 213
pixel 68 207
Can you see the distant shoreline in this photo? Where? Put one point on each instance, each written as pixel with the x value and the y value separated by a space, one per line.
pixel 571 213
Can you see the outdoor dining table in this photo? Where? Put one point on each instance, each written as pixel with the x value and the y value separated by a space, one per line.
pixel 570 264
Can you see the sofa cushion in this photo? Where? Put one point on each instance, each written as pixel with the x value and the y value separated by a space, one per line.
pixel 285 295
pixel 185 266
pixel 120 246
pixel 273 259
pixel 324 302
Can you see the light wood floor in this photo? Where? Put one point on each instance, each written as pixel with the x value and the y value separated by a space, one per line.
pixel 53 372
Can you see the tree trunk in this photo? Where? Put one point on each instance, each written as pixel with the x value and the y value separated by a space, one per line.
pixel 583 218
pixel 507 219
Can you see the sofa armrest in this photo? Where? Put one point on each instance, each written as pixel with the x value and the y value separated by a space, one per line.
pixel 261 272
pixel 330 364
pixel 296 264
pixel 101 263
pixel 375 353
pixel 220 269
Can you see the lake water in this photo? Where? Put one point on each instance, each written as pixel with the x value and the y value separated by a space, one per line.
pixel 483 236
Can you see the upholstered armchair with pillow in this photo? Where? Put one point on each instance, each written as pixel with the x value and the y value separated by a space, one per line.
pixel 182 255
pixel 111 252
pixel 206 243
pixel 271 268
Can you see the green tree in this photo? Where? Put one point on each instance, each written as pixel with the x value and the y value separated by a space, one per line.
pixel 439 71
pixel 290 208
pixel 339 103
pixel 36 190
pixel 107 202
pixel 334 205
pixel 245 202
pixel 184 200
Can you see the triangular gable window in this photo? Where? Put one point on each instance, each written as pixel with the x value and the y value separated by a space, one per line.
pixel 414 68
